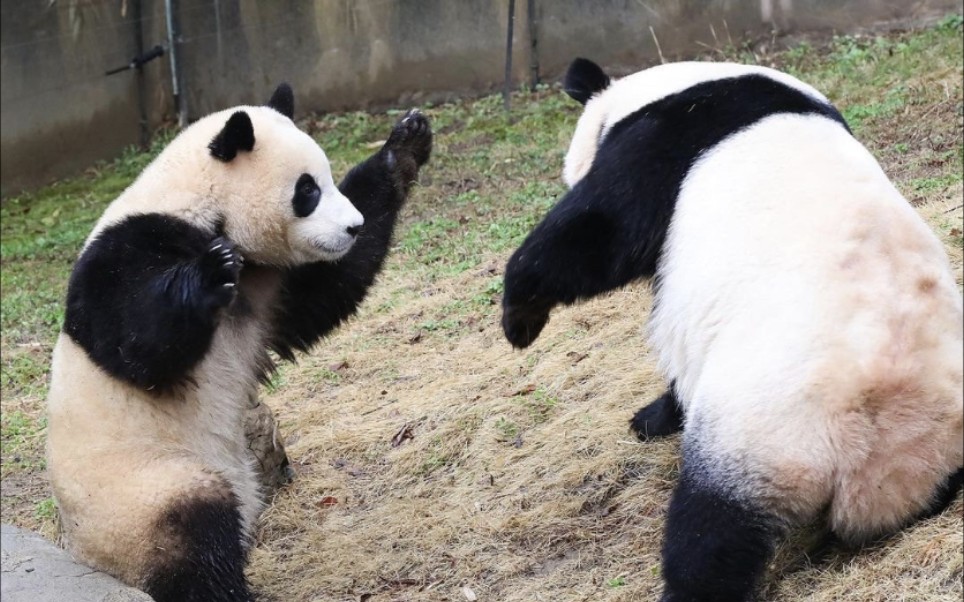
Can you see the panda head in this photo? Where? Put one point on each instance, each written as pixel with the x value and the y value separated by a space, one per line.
pixel 607 101
pixel 268 185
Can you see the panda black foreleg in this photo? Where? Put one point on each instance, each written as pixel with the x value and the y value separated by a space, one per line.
pixel 144 297
pixel 316 298
pixel 661 418
pixel 575 253
pixel 716 547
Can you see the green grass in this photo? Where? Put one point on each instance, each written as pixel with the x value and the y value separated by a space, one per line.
pixel 21 441
pixel 46 510
pixel 491 178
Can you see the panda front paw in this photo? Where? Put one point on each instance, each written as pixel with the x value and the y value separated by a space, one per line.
pixel 522 324
pixel 220 267
pixel 410 138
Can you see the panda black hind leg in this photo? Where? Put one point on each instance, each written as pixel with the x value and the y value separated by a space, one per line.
pixel 205 557
pixel 717 542
pixel 661 418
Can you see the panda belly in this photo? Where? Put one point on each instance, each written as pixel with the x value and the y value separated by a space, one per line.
pixel 122 460
pixel 213 424
pixel 813 329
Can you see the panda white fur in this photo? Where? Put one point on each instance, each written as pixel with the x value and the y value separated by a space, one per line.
pixel 806 317
pixel 233 241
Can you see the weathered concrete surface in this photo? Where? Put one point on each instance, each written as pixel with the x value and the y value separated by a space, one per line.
pixel 35 570
pixel 61 114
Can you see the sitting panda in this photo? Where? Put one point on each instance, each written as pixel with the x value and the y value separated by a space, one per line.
pixel 806 317
pixel 233 241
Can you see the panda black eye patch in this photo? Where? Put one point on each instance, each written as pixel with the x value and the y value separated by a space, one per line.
pixel 307 195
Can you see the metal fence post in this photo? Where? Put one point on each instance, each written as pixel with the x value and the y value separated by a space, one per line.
pixel 173 35
pixel 507 88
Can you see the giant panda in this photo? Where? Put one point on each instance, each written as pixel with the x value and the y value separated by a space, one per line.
pixel 234 241
pixel 806 318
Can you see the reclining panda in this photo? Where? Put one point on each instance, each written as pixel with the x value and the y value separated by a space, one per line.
pixel 233 241
pixel 806 317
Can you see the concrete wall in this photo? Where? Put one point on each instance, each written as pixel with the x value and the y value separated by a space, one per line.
pixel 60 114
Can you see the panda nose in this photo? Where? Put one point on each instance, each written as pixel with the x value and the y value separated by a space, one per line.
pixel 353 230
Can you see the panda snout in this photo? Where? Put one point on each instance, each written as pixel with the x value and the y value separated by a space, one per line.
pixel 353 230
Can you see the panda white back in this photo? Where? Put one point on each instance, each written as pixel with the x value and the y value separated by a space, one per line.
pixel 787 299
pixel 622 97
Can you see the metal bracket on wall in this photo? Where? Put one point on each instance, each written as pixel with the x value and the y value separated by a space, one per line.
pixel 138 61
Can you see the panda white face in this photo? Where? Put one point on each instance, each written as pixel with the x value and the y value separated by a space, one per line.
pixel 608 101
pixel 325 222
pixel 274 188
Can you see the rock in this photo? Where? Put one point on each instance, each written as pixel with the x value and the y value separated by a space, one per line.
pixel 264 441
pixel 35 570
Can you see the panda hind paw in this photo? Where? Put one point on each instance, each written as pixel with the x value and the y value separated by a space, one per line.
pixel 661 418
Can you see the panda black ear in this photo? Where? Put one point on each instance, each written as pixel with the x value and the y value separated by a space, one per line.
pixel 283 101
pixel 583 79
pixel 237 135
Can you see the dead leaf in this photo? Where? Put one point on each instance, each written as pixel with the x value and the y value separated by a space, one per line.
pixel 327 502
pixel 491 269
pixel 415 338
pixel 469 594
pixel 406 432
pixel 338 366
pixel 576 357
pixel 523 391
pixel 955 232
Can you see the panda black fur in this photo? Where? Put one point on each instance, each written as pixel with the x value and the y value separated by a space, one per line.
pixel 234 241
pixel 806 317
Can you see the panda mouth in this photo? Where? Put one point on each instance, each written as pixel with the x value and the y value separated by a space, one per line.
pixel 333 249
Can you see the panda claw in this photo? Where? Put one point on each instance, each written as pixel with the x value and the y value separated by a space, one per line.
pixel 220 269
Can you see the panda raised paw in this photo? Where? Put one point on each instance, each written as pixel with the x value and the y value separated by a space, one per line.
pixel 220 268
pixel 412 135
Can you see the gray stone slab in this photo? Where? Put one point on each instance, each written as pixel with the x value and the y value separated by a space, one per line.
pixel 35 570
